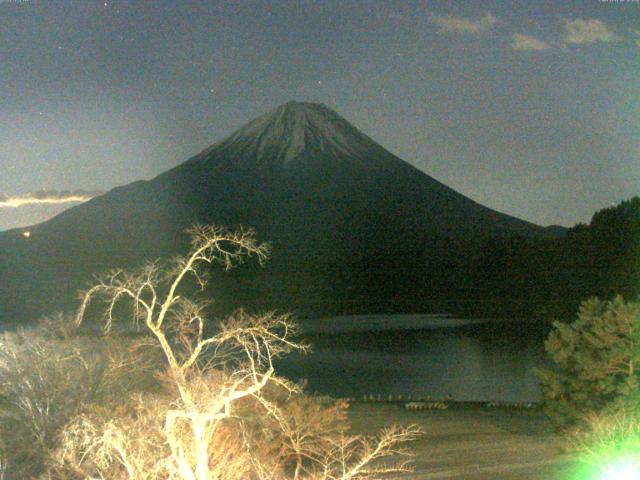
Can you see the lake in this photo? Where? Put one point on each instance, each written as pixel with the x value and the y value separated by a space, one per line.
pixel 421 356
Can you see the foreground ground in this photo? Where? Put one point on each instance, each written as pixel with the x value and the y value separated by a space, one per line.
pixel 470 442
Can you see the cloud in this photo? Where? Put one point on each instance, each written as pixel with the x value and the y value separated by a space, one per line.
pixel 527 43
pixel 589 31
pixel 455 24
pixel 47 197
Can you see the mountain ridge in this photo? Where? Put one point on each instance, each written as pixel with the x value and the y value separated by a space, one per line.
pixel 346 218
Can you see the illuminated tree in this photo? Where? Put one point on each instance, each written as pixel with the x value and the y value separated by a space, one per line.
pixel 597 360
pixel 223 413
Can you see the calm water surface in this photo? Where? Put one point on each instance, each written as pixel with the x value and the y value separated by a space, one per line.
pixel 421 356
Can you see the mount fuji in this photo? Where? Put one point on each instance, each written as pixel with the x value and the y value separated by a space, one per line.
pixel 353 227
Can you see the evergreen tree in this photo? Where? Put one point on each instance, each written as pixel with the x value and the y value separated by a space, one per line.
pixel 597 360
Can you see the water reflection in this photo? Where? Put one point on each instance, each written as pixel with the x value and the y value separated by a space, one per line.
pixel 479 361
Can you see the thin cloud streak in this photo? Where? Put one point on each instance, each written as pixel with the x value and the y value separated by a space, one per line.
pixel 456 24
pixel 47 197
pixel 527 43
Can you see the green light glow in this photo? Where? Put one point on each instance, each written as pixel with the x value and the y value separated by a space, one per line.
pixel 610 448
pixel 609 462
pixel 622 471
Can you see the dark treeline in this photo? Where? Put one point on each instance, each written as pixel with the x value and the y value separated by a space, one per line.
pixel 514 277
pixel 548 278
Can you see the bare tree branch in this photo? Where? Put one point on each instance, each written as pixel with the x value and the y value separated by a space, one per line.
pixel 214 378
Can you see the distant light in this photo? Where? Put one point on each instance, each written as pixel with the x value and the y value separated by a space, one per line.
pixel 26 234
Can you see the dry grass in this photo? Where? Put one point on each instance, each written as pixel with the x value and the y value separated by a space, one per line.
pixel 612 434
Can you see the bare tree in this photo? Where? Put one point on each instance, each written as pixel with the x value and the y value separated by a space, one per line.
pixel 48 373
pixel 219 382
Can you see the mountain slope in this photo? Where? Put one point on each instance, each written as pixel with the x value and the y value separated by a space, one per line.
pixel 349 221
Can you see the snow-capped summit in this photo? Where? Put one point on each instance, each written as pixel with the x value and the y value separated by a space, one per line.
pixel 302 131
pixel 294 127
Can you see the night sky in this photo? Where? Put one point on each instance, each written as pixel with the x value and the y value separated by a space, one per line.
pixel 529 107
